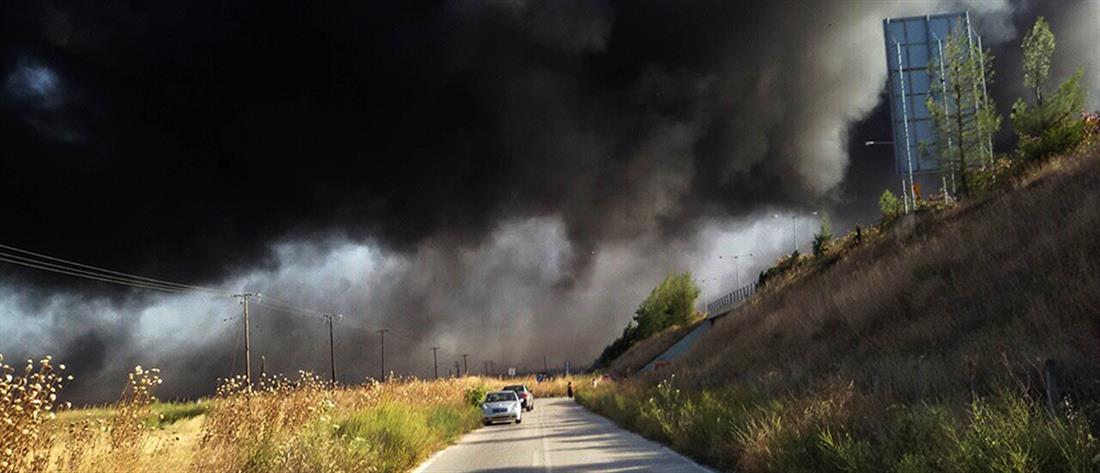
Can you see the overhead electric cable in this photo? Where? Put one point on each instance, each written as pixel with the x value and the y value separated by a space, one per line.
pixel 86 275
pixel 118 273
pixel 72 268
pixel 266 299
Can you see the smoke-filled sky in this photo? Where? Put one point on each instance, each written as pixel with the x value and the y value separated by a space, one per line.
pixel 506 179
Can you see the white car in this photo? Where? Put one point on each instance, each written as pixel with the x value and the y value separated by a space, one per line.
pixel 501 406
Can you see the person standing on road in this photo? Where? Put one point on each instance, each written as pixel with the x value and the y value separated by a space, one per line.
pixel 569 389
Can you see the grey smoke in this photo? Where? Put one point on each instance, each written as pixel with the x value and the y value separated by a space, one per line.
pixel 725 127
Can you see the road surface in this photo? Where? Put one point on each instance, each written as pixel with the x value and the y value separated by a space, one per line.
pixel 559 435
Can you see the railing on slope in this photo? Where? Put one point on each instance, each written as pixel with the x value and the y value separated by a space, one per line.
pixel 730 300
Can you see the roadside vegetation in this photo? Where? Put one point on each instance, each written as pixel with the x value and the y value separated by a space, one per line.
pixel 960 337
pixel 840 428
pixel 280 424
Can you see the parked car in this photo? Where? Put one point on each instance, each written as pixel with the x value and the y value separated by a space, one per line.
pixel 501 406
pixel 526 397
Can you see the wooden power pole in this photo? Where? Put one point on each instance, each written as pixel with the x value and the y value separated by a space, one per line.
pixel 331 345
pixel 465 367
pixel 243 298
pixel 435 363
pixel 382 332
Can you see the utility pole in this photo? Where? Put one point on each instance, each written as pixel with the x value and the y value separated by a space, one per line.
pixel 331 345
pixel 457 372
pixel 382 332
pixel 435 363
pixel 465 367
pixel 243 298
pixel 263 365
pixel 545 367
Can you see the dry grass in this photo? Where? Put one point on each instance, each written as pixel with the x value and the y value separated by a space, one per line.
pixel 939 306
pixel 278 425
pixel 919 348
pixel 547 388
pixel 28 402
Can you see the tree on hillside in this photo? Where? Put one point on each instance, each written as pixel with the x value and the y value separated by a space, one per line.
pixel 890 206
pixel 823 237
pixel 964 118
pixel 1053 124
pixel 672 302
pixel 1038 48
pixel 617 347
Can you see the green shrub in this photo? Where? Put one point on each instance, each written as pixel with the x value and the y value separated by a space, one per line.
pixel 1053 124
pixel 890 206
pixel 165 414
pixel 476 395
pixel 822 238
pixel 395 437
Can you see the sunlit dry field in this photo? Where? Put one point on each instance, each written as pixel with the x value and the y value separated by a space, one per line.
pixel 281 424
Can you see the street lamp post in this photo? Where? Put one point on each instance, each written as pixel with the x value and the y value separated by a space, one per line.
pixel 736 266
pixel 904 192
pixel 794 229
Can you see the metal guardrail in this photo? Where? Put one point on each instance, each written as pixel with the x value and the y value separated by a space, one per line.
pixel 731 299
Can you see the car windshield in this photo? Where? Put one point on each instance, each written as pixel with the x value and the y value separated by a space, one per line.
pixel 515 388
pixel 498 397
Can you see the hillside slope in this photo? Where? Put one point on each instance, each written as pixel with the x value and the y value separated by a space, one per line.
pixel 923 348
pixel 939 306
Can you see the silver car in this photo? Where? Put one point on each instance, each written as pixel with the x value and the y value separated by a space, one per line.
pixel 501 406
pixel 526 397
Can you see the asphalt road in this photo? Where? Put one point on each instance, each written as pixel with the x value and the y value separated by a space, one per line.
pixel 559 435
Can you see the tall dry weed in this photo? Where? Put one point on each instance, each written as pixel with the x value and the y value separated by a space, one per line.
pixel 28 402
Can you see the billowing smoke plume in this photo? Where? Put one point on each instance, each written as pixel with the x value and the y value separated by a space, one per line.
pixel 501 178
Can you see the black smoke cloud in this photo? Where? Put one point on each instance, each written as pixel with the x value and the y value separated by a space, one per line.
pixel 520 172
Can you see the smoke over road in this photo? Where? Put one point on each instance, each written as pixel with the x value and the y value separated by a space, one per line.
pixel 501 178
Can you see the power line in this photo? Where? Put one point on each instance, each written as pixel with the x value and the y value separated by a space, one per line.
pixel 117 273
pixel 266 297
pixel 100 274
pixel 46 266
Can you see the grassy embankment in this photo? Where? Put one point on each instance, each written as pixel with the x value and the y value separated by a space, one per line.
pixel 644 351
pixel 282 425
pixel 920 347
